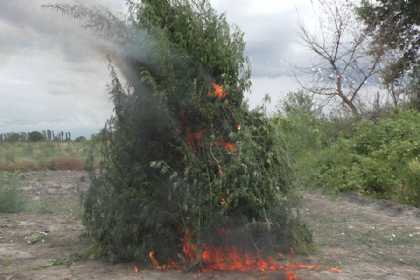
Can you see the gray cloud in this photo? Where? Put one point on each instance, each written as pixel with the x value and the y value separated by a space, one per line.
pixel 269 44
pixel 272 35
pixel 27 25
pixel 54 75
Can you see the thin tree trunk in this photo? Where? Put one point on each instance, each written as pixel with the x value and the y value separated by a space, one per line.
pixel 347 102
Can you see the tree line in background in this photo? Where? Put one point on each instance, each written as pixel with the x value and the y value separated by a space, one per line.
pixel 37 136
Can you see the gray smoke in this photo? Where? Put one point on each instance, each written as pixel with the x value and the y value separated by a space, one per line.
pixel 27 25
pixel 53 71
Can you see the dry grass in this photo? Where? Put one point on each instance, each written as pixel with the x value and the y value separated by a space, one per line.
pixel 62 163
pixel 66 164
pixel 41 156
pixel 23 165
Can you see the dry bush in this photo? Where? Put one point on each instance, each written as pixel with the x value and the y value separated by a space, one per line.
pixel 66 163
pixel 22 165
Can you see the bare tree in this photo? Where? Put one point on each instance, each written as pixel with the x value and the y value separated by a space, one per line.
pixel 345 62
pixel 396 82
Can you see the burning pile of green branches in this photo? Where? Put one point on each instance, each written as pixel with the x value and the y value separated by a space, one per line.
pixel 182 152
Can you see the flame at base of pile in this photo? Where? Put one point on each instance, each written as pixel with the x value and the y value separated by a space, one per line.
pixel 207 258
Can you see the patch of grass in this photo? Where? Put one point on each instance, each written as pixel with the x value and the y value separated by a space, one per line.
pixel 53 206
pixel 66 164
pixel 68 260
pixel 39 207
pixel 11 200
pixel 39 156
pixel 36 237
pixel 6 261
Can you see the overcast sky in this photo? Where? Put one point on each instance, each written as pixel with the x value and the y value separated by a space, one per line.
pixel 51 75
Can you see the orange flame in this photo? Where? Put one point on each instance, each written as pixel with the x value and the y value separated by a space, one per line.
pixel 229 146
pixel 218 91
pixel 153 260
pixel 212 258
pixel 195 139
pixel 291 276
pixel 189 249
pixel 335 270
pixel 136 269
pixel 157 265
pixel 232 259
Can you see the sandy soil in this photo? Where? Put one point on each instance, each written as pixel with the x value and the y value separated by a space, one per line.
pixel 366 239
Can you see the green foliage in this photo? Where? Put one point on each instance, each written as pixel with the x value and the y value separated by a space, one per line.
pixel 13 137
pixel 413 89
pixel 198 33
pixel 299 124
pixel 303 131
pixel 10 197
pixel 67 261
pixel 80 139
pixel 36 136
pixel 394 26
pixel 299 104
pixel 379 158
pixel 174 157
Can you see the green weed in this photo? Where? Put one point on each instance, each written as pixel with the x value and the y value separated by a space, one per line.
pixel 10 196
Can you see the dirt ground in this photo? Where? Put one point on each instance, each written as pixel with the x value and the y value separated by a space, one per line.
pixel 366 239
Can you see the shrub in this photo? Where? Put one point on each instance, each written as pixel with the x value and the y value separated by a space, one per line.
pixel 380 159
pixel 66 163
pixel 80 139
pixel 13 137
pixel 303 131
pixel 10 196
pixel 45 155
pixel 36 136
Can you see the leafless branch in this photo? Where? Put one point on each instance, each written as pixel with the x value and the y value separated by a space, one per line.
pixel 340 45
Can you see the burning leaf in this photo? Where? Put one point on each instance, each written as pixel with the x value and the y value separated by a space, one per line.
pixel 218 92
pixel 153 260
pixel 194 139
pixel 223 202
pixel 291 275
pixel 230 147
pixel 189 249
pixel 335 269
